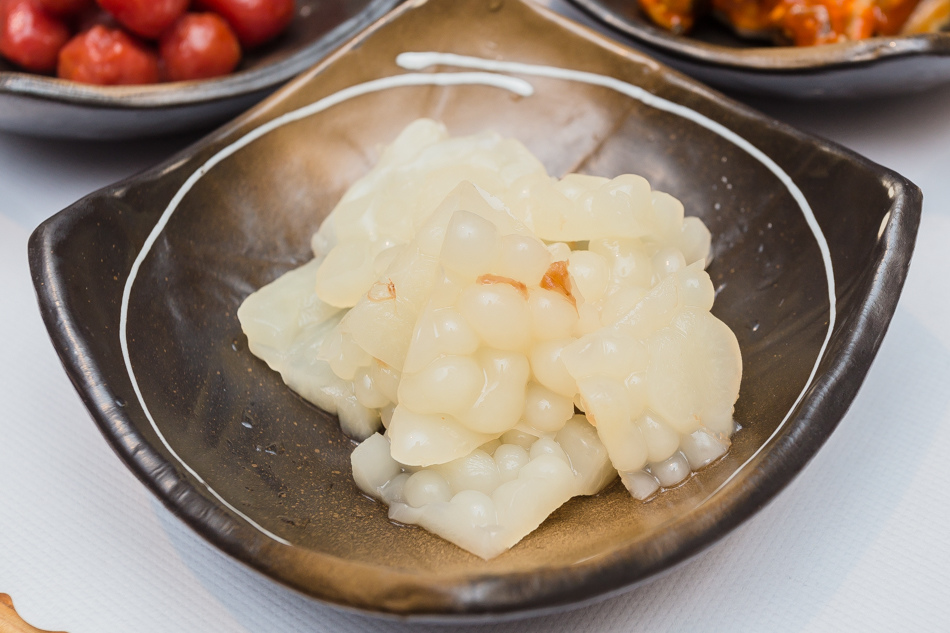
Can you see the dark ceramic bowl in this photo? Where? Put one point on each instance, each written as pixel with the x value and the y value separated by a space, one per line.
pixel 46 106
pixel 264 476
pixel 713 54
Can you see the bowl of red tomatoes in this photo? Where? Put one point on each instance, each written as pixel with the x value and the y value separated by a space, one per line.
pixel 122 69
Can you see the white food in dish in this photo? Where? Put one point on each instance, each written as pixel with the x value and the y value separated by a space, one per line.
pixel 462 303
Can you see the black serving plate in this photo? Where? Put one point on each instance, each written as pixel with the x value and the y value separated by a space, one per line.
pixel 264 476
pixel 712 53
pixel 39 105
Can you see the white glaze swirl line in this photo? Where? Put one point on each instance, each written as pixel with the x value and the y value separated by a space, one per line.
pixel 421 60
pixel 512 84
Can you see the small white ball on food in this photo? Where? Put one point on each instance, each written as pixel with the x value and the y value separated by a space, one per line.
pixel 519 438
pixel 498 311
pixel 672 470
pixel 547 446
pixel 476 507
pixel 510 458
pixel 500 403
pixel 544 410
pixel 642 485
pixel 425 487
pixel 552 315
pixel 702 447
pixel 661 440
pixel 523 258
pixel 475 471
pixel 591 274
pixel 548 367
pixel 449 384
pixel 471 244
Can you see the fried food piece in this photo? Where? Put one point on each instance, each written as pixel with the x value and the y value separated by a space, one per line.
pixel 806 22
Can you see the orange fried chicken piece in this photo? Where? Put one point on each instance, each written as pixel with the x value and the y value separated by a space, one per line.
pixel 807 22
pixel 673 15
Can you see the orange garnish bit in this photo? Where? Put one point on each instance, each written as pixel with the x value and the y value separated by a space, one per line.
pixel 380 291
pixel 487 280
pixel 559 280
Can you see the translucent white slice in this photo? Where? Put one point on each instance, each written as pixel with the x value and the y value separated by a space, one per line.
pixel 695 241
pixel 273 316
pixel 653 312
pixel 474 503
pixel 581 207
pixel 373 467
pixel 500 403
pixel 346 358
pixel 449 384
pixel 604 352
pixel 695 372
pixel 669 217
pixel 605 401
pixel 424 440
pixel 416 173
pixel 286 326
pixel 439 331
pixel 629 261
pixel 586 454
pixel 383 319
pixel 591 274
pixel 346 273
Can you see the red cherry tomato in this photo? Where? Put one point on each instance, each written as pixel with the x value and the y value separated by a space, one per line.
pixel 199 46
pixel 254 21
pixel 30 37
pixel 148 18
pixel 64 8
pixel 105 57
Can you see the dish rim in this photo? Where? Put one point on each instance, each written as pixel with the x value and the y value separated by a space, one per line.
pixel 777 59
pixel 465 597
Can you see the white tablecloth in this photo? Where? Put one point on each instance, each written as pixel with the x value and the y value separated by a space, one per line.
pixel 859 541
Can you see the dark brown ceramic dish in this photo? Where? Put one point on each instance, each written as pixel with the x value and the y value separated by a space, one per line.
pixel 285 465
pixel 45 106
pixel 869 68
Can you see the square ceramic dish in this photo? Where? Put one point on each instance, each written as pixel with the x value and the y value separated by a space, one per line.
pixel 139 284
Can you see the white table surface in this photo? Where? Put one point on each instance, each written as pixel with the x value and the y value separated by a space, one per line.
pixel 859 541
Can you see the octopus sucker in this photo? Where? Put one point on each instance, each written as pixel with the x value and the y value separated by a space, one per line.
pixel 521 297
